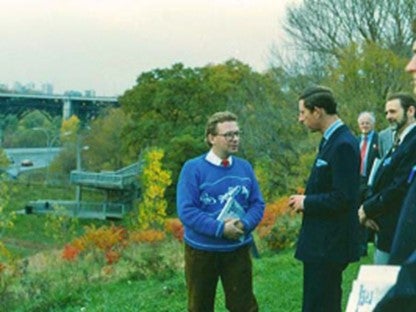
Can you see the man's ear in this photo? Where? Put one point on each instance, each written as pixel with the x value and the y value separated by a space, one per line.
pixel 318 112
pixel 210 139
pixel 411 111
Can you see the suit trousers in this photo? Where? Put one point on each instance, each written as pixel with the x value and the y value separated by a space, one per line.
pixel 322 290
pixel 203 269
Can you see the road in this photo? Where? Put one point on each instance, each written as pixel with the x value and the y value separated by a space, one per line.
pixel 40 157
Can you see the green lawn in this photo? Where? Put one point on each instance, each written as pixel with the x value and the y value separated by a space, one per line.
pixel 277 281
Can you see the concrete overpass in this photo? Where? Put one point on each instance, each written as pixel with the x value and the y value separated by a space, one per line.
pixel 84 107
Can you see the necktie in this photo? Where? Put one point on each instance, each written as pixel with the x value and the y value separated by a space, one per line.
pixel 396 143
pixel 363 154
pixel 225 162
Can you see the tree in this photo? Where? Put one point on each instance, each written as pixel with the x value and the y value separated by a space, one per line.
pixel 170 107
pixel 329 26
pixel 66 160
pixel 105 151
pixel 21 133
pixel 363 78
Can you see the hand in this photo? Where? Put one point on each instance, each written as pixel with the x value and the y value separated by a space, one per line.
pixel 361 215
pixel 371 224
pixel 296 203
pixel 232 229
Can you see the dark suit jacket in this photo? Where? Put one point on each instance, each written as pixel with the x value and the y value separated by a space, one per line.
pixel 389 189
pixel 404 242
pixel 329 231
pixel 373 153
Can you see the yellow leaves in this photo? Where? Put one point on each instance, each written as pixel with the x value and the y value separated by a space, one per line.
pixel 154 181
pixel 69 129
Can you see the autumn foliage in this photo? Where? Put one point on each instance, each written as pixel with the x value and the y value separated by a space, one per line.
pixel 154 181
pixel 271 213
pixel 174 227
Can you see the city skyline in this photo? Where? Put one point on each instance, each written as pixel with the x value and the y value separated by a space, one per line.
pixel 105 45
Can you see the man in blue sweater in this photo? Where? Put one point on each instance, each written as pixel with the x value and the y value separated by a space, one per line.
pixel 220 204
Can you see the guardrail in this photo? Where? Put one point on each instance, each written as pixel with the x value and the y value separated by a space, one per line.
pixel 87 210
pixel 104 180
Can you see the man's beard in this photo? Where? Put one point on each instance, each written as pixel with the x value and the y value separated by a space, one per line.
pixel 398 125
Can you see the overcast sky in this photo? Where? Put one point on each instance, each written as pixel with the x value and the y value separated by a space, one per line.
pixel 105 44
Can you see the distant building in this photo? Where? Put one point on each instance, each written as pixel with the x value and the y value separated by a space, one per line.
pixel 3 87
pixel 47 88
pixel 74 93
pixel 89 93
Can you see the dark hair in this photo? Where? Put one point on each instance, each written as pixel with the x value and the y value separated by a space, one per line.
pixel 406 99
pixel 319 96
pixel 214 120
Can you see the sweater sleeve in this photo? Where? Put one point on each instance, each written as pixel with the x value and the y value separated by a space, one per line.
pixel 256 206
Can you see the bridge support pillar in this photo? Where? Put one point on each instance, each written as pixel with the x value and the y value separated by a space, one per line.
pixel 66 108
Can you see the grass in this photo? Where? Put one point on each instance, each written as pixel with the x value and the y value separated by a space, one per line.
pixel 277 277
pixel 277 283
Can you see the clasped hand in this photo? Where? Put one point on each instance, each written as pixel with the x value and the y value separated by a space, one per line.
pixel 233 229
pixel 369 223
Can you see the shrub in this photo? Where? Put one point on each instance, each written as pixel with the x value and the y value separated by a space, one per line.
pixel 59 225
pixel 106 239
pixel 174 227
pixel 271 213
pixel 284 232
pixel 146 236
pixel 154 180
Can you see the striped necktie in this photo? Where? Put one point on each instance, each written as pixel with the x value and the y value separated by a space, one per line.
pixel 363 154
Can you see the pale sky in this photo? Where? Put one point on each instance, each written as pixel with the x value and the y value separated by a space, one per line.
pixel 106 44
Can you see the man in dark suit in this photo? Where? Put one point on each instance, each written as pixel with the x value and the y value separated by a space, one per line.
pixel 380 211
pixel 369 151
pixel 404 242
pixel 328 238
pixel 402 296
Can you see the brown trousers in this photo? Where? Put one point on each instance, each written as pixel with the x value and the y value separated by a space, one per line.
pixel 203 269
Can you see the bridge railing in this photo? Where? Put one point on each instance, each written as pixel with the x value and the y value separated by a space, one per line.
pixel 93 210
pixel 105 180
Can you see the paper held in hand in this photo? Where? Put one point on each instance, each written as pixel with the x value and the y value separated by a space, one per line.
pixel 231 210
pixel 371 285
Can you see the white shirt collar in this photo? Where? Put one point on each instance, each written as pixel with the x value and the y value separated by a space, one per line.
pixel 214 159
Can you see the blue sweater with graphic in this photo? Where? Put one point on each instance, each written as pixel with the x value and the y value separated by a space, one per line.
pixel 203 189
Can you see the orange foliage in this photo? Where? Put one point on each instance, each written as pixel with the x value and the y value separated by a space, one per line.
pixel 112 256
pixel 174 227
pixel 146 236
pixel 70 252
pixel 271 213
pixel 106 239
pixel 103 238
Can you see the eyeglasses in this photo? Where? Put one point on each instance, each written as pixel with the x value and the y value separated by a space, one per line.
pixel 230 135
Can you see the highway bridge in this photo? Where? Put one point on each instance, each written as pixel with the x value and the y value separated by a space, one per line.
pixel 84 107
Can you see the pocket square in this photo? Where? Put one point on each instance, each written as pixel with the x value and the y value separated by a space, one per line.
pixel 387 161
pixel 321 163
pixel 411 175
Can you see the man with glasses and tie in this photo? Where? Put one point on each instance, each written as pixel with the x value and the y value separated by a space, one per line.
pixel 328 238
pixel 220 204
pixel 381 209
